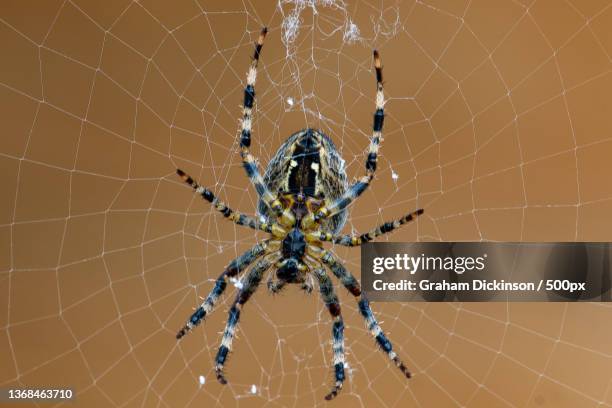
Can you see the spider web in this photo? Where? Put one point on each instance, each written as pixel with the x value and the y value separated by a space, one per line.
pixel 497 124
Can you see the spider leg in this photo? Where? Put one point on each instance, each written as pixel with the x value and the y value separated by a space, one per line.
pixel 248 160
pixel 379 335
pixel 234 216
pixel 358 187
pixel 333 305
pixel 349 281
pixel 250 283
pixel 356 240
pixel 233 269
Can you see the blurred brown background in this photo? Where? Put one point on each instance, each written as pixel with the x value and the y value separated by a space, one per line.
pixel 499 123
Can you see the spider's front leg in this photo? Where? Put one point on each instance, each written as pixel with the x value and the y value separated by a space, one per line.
pixel 233 269
pixel 353 286
pixel 249 286
pixel 333 305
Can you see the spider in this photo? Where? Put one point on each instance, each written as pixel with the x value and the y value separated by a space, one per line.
pixel 303 197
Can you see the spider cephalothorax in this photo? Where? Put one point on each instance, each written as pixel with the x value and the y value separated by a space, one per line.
pixel 303 197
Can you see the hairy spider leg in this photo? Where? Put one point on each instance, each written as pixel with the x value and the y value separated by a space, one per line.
pixel 330 299
pixel 357 188
pixel 250 282
pixel 235 216
pixel 360 239
pixel 349 281
pixel 233 269
pixel 344 276
pixel 248 160
pixel 383 342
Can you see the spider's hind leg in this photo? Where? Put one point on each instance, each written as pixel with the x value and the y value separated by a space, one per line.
pixel 358 187
pixel 248 160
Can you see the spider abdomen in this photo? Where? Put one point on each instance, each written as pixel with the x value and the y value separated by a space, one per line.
pixel 307 163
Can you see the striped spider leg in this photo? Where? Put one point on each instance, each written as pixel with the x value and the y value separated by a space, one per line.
pixel 233 269
pixel 250 283
pixel 358 187
pixel 352 285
